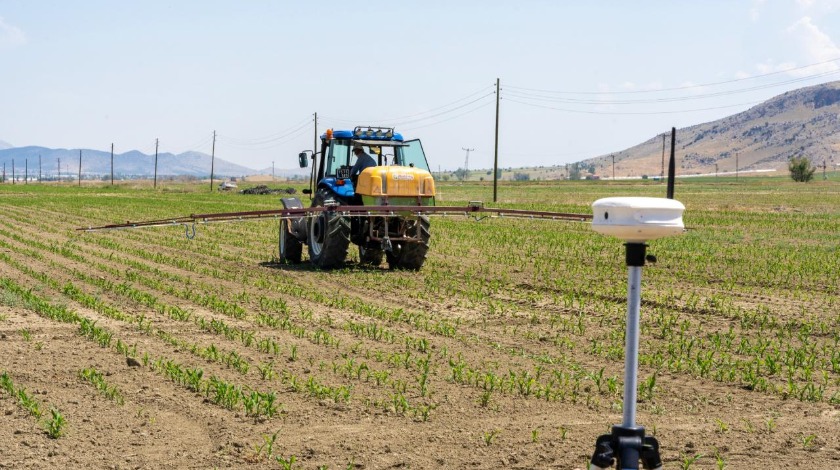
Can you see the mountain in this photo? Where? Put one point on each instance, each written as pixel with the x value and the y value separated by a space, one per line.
pixel 96 163
pixel 800 122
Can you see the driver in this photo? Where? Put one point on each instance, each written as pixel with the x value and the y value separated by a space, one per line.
pixel 363 160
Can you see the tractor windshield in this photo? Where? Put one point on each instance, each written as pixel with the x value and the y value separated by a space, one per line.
pixel 339 156
pixel 412 155
pixel 406 154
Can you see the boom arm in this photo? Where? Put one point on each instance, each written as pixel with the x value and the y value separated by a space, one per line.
pixel 475 210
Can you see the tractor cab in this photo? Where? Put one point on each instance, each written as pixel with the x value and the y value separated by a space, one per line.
pixel 405 159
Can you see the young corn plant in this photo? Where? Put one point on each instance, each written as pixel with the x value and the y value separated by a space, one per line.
pixel 96 379
pixel 490 436
pixel 55 424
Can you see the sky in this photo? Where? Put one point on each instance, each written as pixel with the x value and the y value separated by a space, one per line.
pixel 577 79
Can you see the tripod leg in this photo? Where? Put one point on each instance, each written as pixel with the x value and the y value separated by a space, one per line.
pixel 603 458
pixel 650 454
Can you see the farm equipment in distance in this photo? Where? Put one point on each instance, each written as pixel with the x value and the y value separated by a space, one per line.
pixel 382 209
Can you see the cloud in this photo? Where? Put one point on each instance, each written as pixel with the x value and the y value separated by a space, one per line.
pixel 10 35
pixel 816 45
pixel 819 5
pixel 755 11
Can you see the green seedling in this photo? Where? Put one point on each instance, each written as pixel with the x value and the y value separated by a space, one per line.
pixel 55 424
pixel 689 460
pixel 490 436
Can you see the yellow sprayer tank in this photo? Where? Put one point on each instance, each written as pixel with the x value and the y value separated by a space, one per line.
pixel 396 186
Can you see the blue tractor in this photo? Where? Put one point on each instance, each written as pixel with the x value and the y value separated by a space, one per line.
pixel 397 174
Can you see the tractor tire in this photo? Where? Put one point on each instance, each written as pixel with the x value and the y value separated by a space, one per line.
pixel 291 249
pixel 411 256
pixel 329 237
pixel 370 256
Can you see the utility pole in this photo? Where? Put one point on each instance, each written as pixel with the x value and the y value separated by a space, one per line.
pixel 613 158
pixel 39 167
pixel 80 167
pixel 315 137
pixel 156 157
pixel 59 170
pixel 26 172
pixel 824 166
pixel 736 166
pixel 13 172
pixel 212 161
pixel 4 173
pixel 272 170
pixel 467 164
pixel 716 171
pixel 112 163
pixel 662 174
pixel 496 147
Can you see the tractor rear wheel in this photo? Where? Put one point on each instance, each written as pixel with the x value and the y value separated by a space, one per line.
pixel 411 255
pixel 329 237
pixel 291 249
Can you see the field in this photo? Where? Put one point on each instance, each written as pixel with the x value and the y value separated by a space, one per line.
pixel 145 349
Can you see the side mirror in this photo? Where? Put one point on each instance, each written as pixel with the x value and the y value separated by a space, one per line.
pixel 307 191
pixel 303 160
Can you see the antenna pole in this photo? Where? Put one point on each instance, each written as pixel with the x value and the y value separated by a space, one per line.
pixel 627 443
pixel 672 164
pixel 496 148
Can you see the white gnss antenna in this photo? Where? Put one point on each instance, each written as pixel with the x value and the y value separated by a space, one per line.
pixel 636 220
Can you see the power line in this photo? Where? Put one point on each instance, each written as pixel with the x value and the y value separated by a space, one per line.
pixel 687 87
pixel 451 117
pixel 272 138
pixel 273 144
pixel 404 118
pixel 539 97
pixel 633 113
pixel 423 116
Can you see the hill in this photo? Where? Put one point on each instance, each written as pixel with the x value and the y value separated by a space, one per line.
pixel 800 122
pixel 96 163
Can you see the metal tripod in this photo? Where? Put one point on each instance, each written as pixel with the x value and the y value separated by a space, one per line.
pixel 627 443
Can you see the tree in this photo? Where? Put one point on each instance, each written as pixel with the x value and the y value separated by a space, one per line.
pixel 574 174
pixel 521 176
pixel 801 169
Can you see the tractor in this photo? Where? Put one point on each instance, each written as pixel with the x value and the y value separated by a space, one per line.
pixel 401 177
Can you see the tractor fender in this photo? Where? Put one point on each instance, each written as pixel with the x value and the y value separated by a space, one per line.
pixel 296 225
